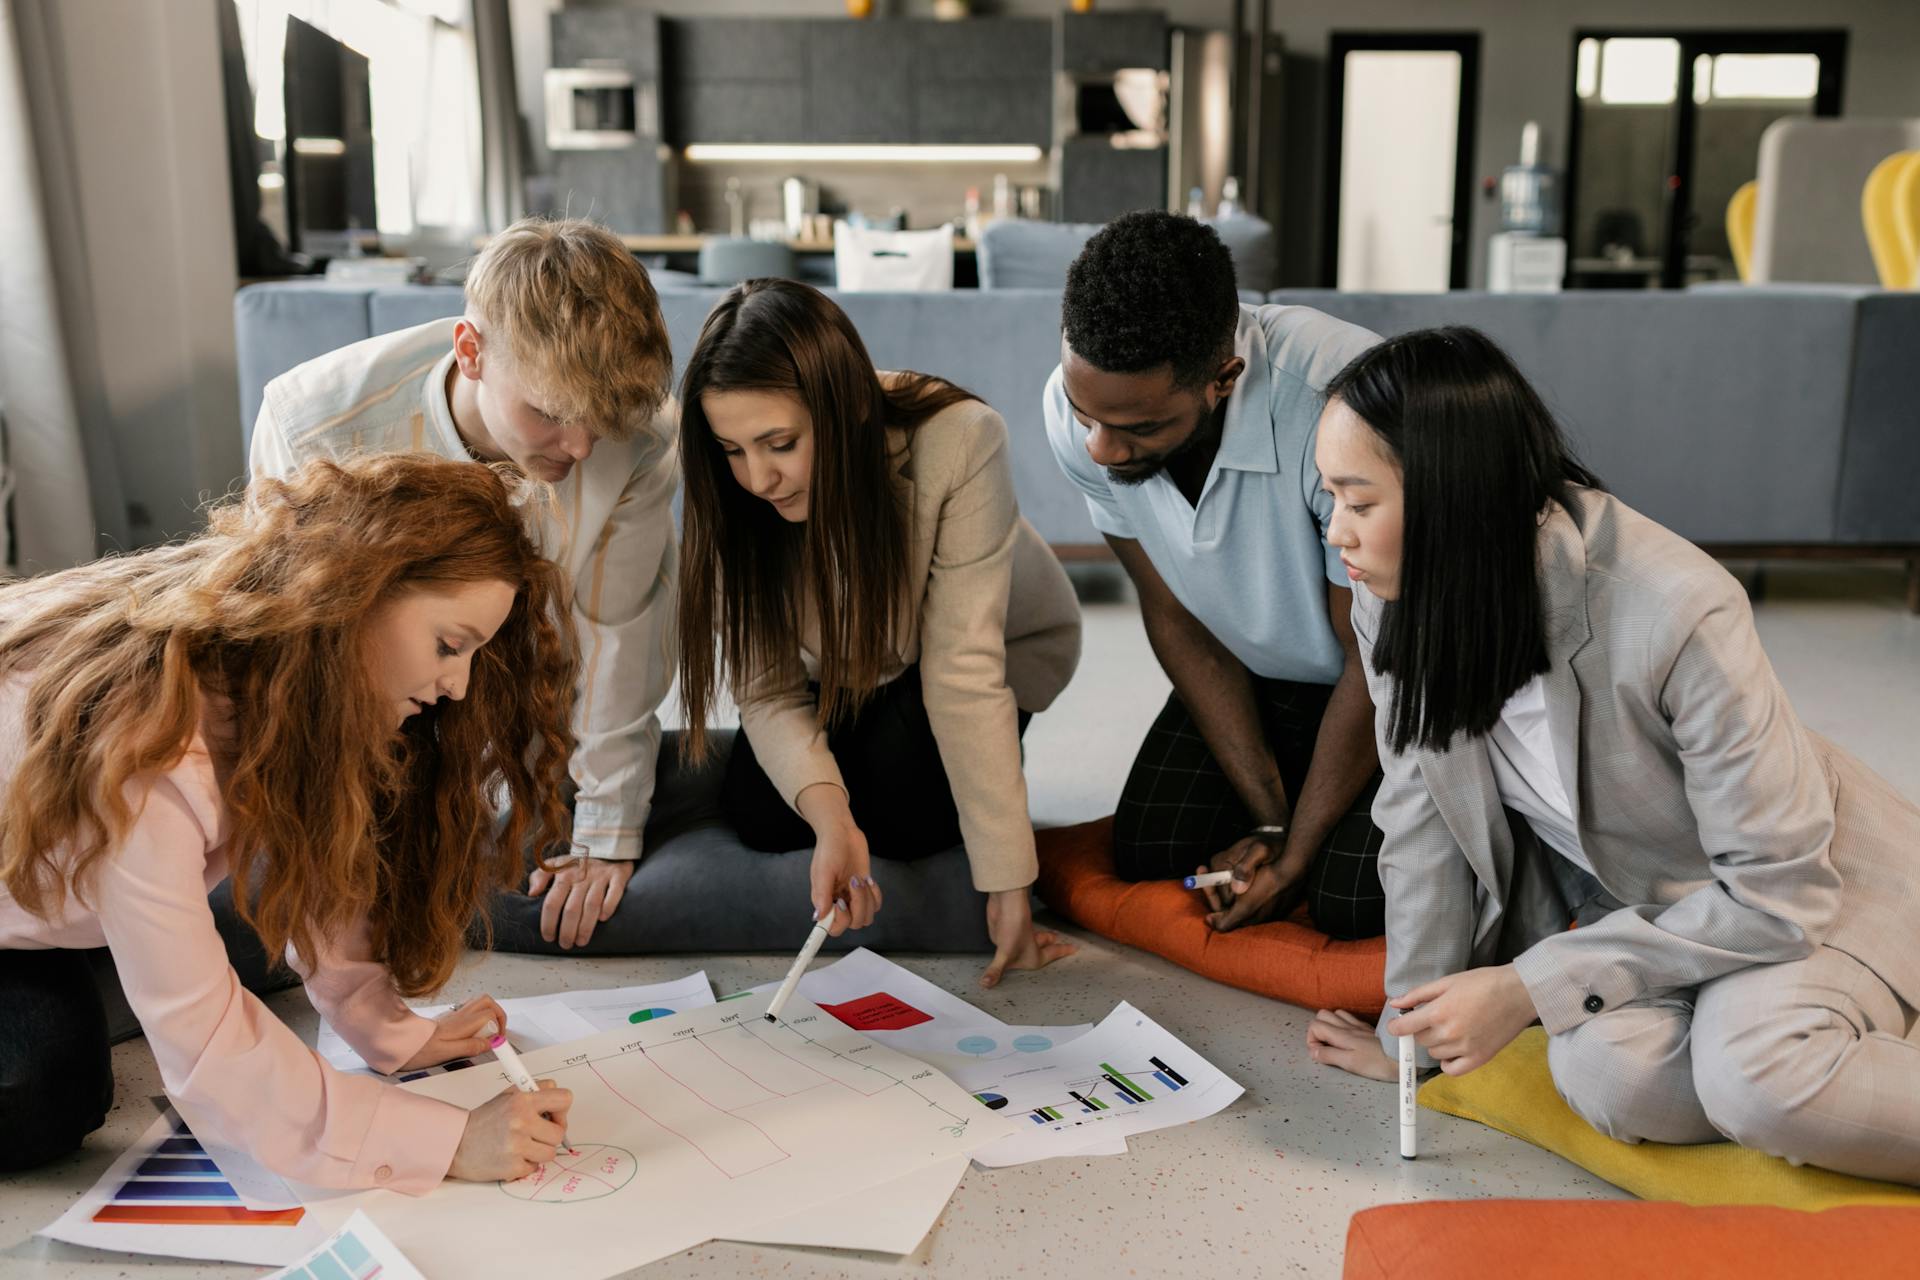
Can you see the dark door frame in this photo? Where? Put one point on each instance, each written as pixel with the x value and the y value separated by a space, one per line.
pixel 1829 44
pixel 1464 43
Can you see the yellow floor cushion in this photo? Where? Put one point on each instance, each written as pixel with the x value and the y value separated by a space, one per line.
pixel 1514 1094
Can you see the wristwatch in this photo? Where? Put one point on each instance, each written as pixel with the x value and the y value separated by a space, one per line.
pixel 1268 830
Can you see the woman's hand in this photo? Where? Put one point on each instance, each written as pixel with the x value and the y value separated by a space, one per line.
pixel 1466 1018
pixel 511 1135
pixel 1016 943
pixel 1337 1038
pixel 841 872
pixel 460 1033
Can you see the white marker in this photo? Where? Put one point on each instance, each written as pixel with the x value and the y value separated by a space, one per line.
pixel 517 1073
pixel 807 953
pixel 1208 880
pixel 1409 1126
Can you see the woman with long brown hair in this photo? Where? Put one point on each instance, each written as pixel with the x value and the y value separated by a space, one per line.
pixel 855 564
pixel 320 695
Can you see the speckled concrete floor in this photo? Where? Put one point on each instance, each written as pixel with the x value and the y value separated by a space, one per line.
pixel 1266 1187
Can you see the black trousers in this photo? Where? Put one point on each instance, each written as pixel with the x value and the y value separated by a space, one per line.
pixel 1178 809
pixel 896 785
pixel 56 1070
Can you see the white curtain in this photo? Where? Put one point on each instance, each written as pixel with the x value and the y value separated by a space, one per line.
pixel 59 448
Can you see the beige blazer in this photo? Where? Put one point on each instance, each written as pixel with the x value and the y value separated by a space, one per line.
pixel 997 632
pixel 1734 835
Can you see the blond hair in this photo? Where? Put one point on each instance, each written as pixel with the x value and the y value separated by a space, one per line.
pixel 578 319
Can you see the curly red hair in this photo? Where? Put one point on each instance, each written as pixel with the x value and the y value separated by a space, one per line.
pixel 334 816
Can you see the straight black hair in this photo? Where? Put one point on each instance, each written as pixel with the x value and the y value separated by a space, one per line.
pixel 1480 458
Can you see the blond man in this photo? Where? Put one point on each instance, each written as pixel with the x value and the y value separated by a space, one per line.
pixel 560 365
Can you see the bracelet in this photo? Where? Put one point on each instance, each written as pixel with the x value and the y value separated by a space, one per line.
pixel 1268 830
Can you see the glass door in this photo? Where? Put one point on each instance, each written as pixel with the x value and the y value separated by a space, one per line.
pixel 1666 127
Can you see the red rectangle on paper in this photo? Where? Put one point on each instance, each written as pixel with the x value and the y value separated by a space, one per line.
pixel 878 1012
pixel 197 1215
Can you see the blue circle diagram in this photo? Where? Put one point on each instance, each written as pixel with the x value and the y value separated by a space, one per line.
pixel 1032 1044
pixel 977 1044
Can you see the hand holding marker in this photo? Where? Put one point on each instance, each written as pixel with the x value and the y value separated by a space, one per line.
pixel 517 1072
pixel 807 953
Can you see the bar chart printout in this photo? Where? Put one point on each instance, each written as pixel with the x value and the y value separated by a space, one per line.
pixel 1128 1075
pixel 166 1195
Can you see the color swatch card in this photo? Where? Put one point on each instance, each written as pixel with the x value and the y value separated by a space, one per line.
pixel 166 1195
pixel 357 1251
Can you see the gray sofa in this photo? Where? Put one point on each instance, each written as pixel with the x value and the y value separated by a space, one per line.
pixel 1766 416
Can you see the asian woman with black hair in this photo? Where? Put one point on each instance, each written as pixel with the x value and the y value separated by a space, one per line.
pixel 1577 723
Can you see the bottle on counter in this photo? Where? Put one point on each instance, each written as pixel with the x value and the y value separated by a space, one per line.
pixel 1229 197
pixel 970 221
pixel 1196 203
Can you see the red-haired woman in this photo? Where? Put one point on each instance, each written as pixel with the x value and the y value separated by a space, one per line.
pixel 887 619
pixel 317 696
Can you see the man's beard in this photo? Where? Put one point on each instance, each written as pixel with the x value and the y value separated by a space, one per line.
pixel 1204 435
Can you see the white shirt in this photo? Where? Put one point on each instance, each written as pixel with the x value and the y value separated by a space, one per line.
pixel 1524 767
pixel 1249 560
pixel 611 533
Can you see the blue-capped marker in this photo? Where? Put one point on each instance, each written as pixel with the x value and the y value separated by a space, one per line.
pixel 1208 880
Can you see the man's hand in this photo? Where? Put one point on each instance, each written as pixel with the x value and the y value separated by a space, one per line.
pixel 1016 943
pixel 1466 1018
pixel 1266 883
pixel 581 893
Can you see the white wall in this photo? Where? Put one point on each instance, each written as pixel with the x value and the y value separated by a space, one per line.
pixel 141 115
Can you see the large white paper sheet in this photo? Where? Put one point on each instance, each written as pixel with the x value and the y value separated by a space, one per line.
pixel 357 1251
pixel 689 1129
pixel 1128 1075
pixel 165 1196
pixel 892 1218
pixel 535 1022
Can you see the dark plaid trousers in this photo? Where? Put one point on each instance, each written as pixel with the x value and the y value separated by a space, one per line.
pixel 1178 809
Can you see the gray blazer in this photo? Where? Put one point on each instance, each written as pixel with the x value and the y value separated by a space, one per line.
pixel 1734 835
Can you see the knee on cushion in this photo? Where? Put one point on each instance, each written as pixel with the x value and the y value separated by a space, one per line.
pixel 1758 1085
pixel 1619 1072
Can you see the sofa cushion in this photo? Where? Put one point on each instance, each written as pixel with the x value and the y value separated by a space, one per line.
pixel 1515 1094
pixel 697 888
pixel 1606 1240
pixel 1287 959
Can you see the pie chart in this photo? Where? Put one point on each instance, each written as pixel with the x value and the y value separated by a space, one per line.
pixel 648 1015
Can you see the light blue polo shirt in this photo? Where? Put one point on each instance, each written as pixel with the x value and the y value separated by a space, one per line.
pixel 1250 559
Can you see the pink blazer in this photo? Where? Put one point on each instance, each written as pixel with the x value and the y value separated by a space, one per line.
pixel 237 1074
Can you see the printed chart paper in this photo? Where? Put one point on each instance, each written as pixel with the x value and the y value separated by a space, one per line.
pixel 535 1022
pixel 904 1011
pixel 1128 1075
pixel 688 1129
pixel 165 1195
pixel 357 1251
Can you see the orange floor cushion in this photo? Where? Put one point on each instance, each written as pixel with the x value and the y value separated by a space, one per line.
pixel 1575 1239
pixel 1287 959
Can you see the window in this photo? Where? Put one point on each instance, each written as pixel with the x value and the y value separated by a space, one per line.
pixel 424 92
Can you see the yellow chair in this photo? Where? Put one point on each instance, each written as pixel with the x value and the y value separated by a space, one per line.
pixel 1906 216
pixel 1740 214
pixel 1893 259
